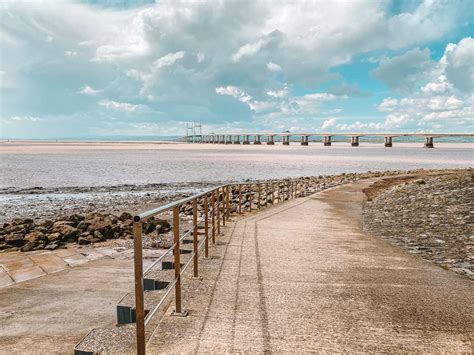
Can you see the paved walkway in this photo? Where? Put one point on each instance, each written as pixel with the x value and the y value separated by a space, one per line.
pixel 302 277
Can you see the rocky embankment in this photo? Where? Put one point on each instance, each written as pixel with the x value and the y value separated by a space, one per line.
pixel 431 216
pixel 106 225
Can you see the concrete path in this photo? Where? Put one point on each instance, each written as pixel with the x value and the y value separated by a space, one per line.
pixel 56 298
pixel 303 277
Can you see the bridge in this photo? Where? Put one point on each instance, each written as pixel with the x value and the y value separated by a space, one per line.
pixel 285 137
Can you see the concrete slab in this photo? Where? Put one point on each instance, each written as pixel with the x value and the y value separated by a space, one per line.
pixel 49 262
pixel 5 278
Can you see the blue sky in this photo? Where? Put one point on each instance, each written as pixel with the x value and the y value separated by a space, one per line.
pixel 104 68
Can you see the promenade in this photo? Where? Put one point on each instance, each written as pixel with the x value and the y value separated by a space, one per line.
pixel 302 276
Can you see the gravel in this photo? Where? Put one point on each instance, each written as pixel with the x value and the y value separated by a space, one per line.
pixel 431 216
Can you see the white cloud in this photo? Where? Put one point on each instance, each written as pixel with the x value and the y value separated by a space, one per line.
pixel 70 54
pixel 402 73
pixel 120 106
pixel 445 101
pixel 248 49
pixel 458 60
pixel 279 94
pixel 273 67
pixel 200 57
pixel 25 118
pixel 329 123
pixel 169 59
pixel 89 91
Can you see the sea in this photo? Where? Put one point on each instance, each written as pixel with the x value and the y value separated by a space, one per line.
pixel 61 163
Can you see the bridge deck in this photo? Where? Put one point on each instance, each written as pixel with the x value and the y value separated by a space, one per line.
pixel 302 276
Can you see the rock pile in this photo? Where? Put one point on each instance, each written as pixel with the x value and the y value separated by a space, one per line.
pixel 27 234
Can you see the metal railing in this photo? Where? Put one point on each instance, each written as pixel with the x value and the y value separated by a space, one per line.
pixel 217 205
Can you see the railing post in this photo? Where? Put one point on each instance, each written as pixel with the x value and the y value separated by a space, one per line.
pixel 195 239
pixel 223 206
pixel 272 184
pixel 227 196
pixel 250 197
pixel 206 227
pixel 259 189
pixel 240 199
pixel 139 303
pixel 218 210
pixel 213 216
pixel 177 266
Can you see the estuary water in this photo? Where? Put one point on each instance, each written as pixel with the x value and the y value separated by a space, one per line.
pixel 26 165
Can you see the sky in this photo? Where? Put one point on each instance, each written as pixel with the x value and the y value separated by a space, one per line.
pixel 109 68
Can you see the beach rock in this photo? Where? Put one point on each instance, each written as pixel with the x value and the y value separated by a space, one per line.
pixel 53 237
pixel 83 241
pixel 125 216
pixel 52 246
pixel 14 239
pixel 82 226
pixel 67 232
pixel 36 237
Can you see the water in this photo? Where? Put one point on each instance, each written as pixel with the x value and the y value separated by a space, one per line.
pixel 62 164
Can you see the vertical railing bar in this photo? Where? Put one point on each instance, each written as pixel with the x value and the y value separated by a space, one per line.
pixel 240 198
pixel 195 238
pixel 206 226
pixel 177 265
pixel 139 299
pixel 218 212
pixel 213 216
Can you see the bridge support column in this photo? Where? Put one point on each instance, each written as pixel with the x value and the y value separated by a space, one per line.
pixel 270 140
pixel 304 140
pixel 257 140
pixel 286 140
pixel 246 140
pixel 237 139
pixel 222 140
pixel 429 142
pixel 327 141
pixel 388 142
pixel 354 141
pixel 228 140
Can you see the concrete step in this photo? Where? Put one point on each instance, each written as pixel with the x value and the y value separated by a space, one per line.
pixel 110 340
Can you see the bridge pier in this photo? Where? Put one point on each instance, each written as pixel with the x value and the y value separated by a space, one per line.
pixel 270 140
pixel 388 142
pixel 257 140
pixel 228 139
pixel 246 140
pixel 429 142
pixel 222 140
pixel 286 140
pixel 354 141
pixel 327 141
pixel 237 139
pixel 304 140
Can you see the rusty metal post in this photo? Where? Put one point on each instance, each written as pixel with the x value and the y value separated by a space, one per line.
pixel 227 196
pixel 250 197
pixel 266 194
pixel 177 264
pixel 222 206
pixel 259 189
pixel 195 239
pixel 213 216
pixel 139 302
pixel 218 210
pixel 240 199
pixel 272 192
pixel 206 227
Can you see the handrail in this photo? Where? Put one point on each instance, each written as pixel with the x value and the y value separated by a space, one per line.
pixel 217 207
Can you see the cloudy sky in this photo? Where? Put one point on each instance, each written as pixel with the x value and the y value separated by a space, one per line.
pixel 104 68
